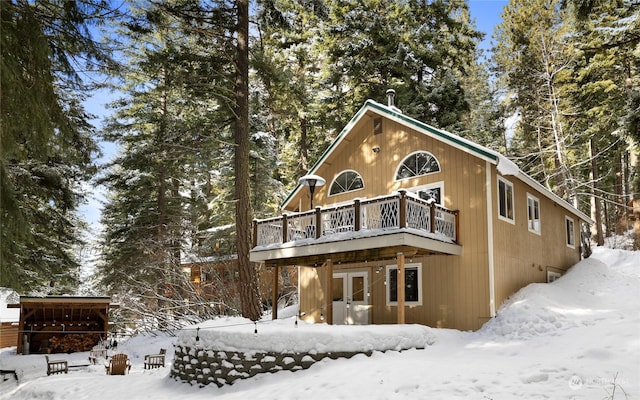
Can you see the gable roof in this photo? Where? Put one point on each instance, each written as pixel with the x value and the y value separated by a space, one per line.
pixel 503 164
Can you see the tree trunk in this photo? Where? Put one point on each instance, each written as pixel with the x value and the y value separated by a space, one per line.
pixel 620 201
pixel 594 191
pixel 248 283
pixel 160 250
pixel 304 149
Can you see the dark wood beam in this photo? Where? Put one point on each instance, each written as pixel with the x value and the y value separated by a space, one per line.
pixel 347 257
pixel 274 299
pixel 400 290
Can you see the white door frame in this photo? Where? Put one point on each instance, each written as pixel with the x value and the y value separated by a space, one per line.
pixel 348 311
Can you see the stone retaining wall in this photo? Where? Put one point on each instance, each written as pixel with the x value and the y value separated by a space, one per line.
pixel 202 367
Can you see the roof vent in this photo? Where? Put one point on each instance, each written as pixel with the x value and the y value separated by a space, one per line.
pixel 391 96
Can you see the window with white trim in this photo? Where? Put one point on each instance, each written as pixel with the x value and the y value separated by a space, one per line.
pixel 346 181
pixel 570 232
pixel 417 164
pixel 432 192
pixel 412 284
pixel 505 200
pixel 533 214
pixel 552 276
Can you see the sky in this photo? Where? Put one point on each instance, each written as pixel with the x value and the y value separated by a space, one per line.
pixel 574 339
pixel 485 12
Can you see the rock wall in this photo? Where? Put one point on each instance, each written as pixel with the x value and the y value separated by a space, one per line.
pixel 203 367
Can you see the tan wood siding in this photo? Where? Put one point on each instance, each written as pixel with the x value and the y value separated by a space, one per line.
pixel 521 256
pixel 455 288
pixel 312 293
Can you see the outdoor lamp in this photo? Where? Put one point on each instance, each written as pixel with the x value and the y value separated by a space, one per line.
pixel 312 181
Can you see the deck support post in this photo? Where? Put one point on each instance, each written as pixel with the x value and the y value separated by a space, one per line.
pixel 274 295
pixel 402 209
pixel 329 294
pixel 285 229
pixel 254 239
pixel 318 222
pixel 356 220
pixel 400 289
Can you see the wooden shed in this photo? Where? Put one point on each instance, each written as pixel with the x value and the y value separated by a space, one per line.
pixel 61 324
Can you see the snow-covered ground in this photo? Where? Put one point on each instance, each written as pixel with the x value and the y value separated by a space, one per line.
pixel 577 338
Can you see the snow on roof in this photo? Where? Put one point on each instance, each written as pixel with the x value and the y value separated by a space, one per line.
pixel 9 296
pixel 187 259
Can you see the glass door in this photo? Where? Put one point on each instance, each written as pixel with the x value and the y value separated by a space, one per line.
pixel 351 298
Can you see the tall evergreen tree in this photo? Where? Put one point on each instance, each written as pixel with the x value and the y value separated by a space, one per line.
pixel 287 58
pixel 536 62
pixel 249 295
pixel 418 48
pixel 184 127
pixel 161 180
pixel 46 139
pixel 607 38
pixel 484 122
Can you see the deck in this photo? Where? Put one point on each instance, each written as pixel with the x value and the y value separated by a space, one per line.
pixel 397 220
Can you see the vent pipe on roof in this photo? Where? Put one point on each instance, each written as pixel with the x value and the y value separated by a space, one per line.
pixel 391 96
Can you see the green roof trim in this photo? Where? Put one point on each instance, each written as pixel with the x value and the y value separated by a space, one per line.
pixel 442 134
pixel 335 142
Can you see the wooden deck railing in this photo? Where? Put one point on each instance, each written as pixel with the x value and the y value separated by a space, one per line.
pixel 389 212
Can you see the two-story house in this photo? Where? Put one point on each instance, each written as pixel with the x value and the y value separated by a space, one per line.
pixel 413 224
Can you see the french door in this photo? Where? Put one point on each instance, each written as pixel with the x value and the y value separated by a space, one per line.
pixel 351 298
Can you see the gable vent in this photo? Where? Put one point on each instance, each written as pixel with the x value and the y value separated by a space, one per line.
pixel 377 126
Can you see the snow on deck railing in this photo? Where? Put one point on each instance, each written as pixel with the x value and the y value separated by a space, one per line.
pixel 399 210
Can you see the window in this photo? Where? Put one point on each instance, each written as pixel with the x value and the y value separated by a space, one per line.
pixel 416 164
pixel 412 284
pixel 571 235
pixel 553 275
pixel 505 198
pixel 433 192
pixel 346 181
pixel 533 214
pixel 338 288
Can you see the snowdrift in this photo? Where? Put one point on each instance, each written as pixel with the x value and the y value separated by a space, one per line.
pixel 577 338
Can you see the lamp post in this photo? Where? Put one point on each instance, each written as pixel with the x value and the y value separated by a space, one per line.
pixel 312 181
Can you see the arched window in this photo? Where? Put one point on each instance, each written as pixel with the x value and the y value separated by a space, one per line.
pixel 416 164
pixel 346 181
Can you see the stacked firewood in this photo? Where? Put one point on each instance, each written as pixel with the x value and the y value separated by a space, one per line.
pixel 72 343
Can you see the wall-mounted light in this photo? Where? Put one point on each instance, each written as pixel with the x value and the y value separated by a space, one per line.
pixel 376 149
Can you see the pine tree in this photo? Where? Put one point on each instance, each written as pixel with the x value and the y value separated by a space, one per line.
pixel 607 37
pixel 46 139
pixel 420 49
pixel 161 181
pixel 249 295
pixel 484 122
pixel 536 63
pixel 287 59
